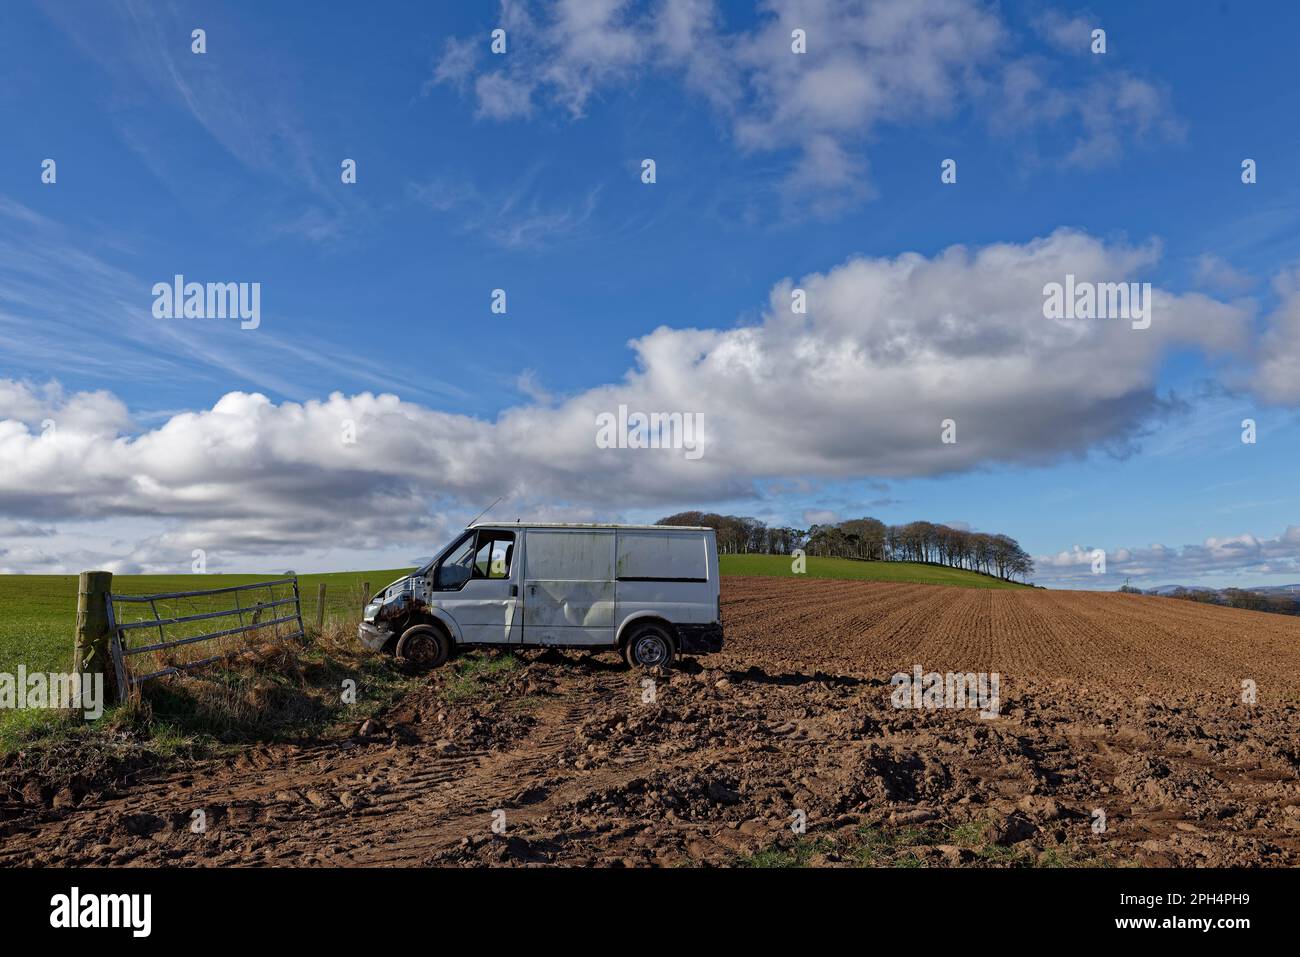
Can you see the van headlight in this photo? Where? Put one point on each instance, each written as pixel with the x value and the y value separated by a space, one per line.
pixel 370 612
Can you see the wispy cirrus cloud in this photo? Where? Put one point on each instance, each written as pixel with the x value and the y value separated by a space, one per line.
pixel 60 291
pixel 519 217
pixel 247 99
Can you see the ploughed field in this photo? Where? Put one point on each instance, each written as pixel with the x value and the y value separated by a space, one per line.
pixel 1121 737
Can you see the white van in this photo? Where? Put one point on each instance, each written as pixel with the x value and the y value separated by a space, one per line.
pixel 650 591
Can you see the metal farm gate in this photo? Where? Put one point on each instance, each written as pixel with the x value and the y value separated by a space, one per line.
pixel 163 649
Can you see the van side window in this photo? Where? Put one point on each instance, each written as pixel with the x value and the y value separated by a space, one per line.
pixel 493 554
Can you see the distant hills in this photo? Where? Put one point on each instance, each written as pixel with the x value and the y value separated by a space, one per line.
pixel 1257 589
pixel 1280 599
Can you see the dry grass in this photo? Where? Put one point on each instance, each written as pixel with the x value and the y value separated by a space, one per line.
pixel 265 690
pixel 268 689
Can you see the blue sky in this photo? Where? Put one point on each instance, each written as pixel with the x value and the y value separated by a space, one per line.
pixel 522 171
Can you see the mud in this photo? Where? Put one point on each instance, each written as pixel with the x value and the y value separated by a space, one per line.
pixel 1113 708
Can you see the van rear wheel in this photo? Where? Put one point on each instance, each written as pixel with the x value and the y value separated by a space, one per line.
pixel 424 647
pixel 650 646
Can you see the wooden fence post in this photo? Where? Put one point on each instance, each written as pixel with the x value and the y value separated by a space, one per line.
pixel 320 607
pixel 90 651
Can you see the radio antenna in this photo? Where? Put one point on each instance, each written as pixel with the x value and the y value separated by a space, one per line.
pixel 484 512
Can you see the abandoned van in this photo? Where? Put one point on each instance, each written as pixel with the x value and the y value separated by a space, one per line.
pixel 650 591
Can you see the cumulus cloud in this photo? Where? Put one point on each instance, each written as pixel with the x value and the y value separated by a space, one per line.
pixel 1217 274
pixel 1245 556
pixel 1278 376
pixel 10 529
pixel 856 387
pixel 45 407
pixel 1069 34
pixel 868 63
pixel 1099 118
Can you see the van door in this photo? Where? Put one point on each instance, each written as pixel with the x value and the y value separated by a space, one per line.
pixel 477 584
pixel 664 572
pixel 569 586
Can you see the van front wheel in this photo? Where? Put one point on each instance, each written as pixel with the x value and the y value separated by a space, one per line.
pixel 424 647
pixel 650 646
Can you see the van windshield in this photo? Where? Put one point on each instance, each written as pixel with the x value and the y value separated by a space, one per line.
pixel 455 569
pixel 454 544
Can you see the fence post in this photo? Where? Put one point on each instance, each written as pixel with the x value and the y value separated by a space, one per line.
pixel 365 594
pixel 320 607
pixel 90 649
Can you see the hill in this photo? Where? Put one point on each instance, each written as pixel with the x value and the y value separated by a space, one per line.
pixel 851 569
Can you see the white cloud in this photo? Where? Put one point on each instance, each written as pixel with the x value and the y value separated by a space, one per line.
pixel 1244 556
pixel 857 387
pixel 1097 120
pixel 1278 375
pixel 868 63
pixel 10 529
pixel 1217 274
pixel 1067 34
pixel 501 98
pixel 50 405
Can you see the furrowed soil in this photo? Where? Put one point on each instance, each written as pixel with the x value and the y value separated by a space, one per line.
pixel 1120 738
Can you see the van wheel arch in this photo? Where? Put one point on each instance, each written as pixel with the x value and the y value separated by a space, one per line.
pixel 632 626
pixel 433 621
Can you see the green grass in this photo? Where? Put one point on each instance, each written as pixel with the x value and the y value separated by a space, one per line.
pixel 38 616
pixel 38 612
pixel 880 847
pixel 799 854
pixel 474 674
pixel 780 566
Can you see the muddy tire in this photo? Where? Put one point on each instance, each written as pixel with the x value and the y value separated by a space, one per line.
pixel 423 647
pixel 650 647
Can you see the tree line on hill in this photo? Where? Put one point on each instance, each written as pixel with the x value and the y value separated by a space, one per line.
pixel 868 539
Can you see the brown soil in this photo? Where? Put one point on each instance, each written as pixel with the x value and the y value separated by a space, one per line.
pixel 1122 704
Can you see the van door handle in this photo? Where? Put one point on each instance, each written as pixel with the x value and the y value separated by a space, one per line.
pixel 514 591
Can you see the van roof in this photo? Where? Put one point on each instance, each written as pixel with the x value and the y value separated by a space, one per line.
pixel 661 528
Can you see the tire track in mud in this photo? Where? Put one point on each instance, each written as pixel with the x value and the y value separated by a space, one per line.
pixel 330 804
pixel 524 782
